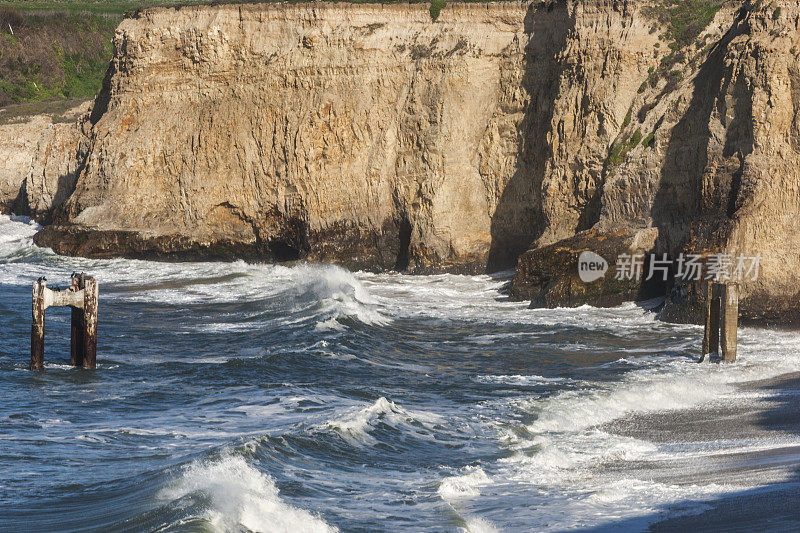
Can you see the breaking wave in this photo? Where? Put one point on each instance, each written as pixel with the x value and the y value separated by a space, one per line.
pixel 466 485
pixel 340 295
pixel 235 495
pixel 355 425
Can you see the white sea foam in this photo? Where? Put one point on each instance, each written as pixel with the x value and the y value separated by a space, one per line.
pixel 674 384
pixel 576 410
pixel 567 451
pixel 465 485
pixel 329 324
pixel 355 425
pixel 239 497
pixel 480 525
pixel 15 234
pixel 458 490
pixel 520 380
pixel 631 501
pixel 548 461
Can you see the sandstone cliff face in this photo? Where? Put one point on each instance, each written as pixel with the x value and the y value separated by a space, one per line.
pixel 729 158
pixel 333 132
pixel 719 172
pixel 371 136
pixel 364 134
pixel 40 158
pixel 17 145
pixel 578 76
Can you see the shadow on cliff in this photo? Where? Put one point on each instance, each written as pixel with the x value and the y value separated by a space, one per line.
pixel 517 220
pixel 65 186
pixel 58 212
pixel 683 207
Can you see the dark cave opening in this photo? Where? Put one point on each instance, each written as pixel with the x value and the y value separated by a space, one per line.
pixel 404 247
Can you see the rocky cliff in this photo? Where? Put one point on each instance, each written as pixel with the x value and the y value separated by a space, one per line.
pixel 365 134
pixel 40 158
pixel 710 159
pixel 369 135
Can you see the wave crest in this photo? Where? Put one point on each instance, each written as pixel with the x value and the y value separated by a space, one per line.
pixel 466 485
pixel 239 496
pixel 339 295
pixel 355 426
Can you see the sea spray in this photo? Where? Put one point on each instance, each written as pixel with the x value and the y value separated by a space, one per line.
pixel 240 496
pixel 356 424
pixel 375 402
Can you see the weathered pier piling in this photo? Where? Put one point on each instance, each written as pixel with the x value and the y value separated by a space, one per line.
pixel 82 297
pixel 722 318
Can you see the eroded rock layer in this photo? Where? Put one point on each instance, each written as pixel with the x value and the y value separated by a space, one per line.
pixel 40 159
pixel 710 157
pixel 363 134
pixel 371 136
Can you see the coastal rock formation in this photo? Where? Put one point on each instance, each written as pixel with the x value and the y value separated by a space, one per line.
pixel 332 132
pixel 372 136
pixel 711 158
pixel 549 275
pixel 40 158
pixel 363 134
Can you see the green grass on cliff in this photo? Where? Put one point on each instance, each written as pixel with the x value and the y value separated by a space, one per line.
pixel 436 8
pixel 61 49
pixel 684 20
pixel 53 49
pixel 681 21
pixel 47 54
pixel 620 151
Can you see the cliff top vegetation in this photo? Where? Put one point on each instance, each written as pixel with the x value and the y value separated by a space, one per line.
pixel 59 49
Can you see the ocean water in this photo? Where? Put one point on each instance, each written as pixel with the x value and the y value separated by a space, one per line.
pixel 249 397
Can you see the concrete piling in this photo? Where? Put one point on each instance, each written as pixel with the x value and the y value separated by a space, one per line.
pixel 729 320
pixel 82 297
pixel 722 318
pixel 76 326
pixel 90 300
pixel 37 327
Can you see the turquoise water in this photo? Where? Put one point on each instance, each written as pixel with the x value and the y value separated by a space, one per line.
pixel 243 397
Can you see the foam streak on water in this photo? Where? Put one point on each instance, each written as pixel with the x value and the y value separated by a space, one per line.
pixel 251 397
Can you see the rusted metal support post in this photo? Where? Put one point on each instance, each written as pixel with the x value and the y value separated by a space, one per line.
pixel 77 326
pixel 729 300
pixel 722 313
pixel 90 301
pixel 37 327
pixel 82 298
pixel 711 334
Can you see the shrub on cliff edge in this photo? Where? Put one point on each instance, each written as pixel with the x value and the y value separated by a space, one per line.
pixel 436 8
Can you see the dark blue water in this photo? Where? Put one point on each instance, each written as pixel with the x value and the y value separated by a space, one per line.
pixel 238 397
